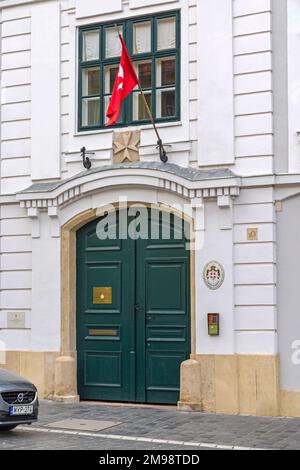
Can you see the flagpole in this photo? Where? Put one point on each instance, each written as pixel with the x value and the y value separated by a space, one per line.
pixel 162 152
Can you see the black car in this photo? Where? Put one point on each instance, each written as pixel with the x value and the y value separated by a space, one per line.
pixel 18 401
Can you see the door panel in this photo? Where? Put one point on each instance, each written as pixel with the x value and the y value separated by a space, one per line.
pixel 160 272
pixel 163 280
pixel 132 342
pixel 104 341
pixel 103 369
pixel 163 375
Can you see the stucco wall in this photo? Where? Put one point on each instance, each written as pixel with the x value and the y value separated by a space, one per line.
pixel 240 135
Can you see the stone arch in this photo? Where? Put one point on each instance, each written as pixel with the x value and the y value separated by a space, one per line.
pixel 66 363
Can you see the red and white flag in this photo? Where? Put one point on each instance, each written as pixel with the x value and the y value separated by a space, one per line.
pixel 126 81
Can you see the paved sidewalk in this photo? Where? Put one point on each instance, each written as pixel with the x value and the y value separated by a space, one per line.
pixel 152 428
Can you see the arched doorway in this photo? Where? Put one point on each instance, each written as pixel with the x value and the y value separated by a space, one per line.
pixel 133 307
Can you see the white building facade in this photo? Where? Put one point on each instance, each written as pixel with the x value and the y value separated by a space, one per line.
pixel 222 77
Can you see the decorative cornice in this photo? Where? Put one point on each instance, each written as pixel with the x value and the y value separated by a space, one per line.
pixel 189 183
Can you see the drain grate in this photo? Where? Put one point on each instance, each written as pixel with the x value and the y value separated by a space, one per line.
pixel 83 424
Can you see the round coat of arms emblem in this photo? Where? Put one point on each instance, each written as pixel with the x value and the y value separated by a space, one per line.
pixel 213 275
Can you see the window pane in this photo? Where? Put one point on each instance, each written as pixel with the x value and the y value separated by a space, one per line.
pixel 142 37
pixel 110 73
pixel 144 73
pixel 90 111
pixel 106 104
pixel 91 81
pixel 91 45
pixel 165 103
pixel 166 71
pixel 166 34
pixel 139 108
pixel 112 42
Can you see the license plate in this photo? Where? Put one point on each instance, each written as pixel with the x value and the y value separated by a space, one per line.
pixel 21 410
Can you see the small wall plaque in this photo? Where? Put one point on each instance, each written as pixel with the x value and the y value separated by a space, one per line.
pixel 252 234
pixel 213 275
pixel 102 295
pixel 126 146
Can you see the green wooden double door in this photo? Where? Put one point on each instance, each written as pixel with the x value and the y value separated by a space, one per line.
pixel 133 312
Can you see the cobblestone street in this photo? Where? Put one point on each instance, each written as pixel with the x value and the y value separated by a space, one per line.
pixel 146 428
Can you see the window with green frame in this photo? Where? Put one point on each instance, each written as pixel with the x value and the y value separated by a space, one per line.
pixel 153 43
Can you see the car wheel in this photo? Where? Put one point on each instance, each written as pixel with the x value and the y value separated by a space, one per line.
pixel 8 428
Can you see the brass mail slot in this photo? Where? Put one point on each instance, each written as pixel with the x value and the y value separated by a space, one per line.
pixel 103 333
pixel 102 295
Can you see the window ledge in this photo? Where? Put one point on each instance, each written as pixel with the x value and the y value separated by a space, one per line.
pixel 143 127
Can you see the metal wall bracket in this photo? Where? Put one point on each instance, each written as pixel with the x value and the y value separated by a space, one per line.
pixel 162 153
pixel 85 160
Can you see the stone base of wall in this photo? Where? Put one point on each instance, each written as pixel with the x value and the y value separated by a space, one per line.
pixel 237 384
pixel 38 367
pixel 290 403
pixel 242 384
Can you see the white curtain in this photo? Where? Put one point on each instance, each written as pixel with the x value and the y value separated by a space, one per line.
pixel 166 34
pixel 90 111
pixel 112 43
pixel 91 46
pixel 142 37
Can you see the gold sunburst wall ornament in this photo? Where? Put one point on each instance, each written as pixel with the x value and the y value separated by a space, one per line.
pixel 126 146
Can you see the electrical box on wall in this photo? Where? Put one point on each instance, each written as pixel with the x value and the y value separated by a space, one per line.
pixel 213 321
